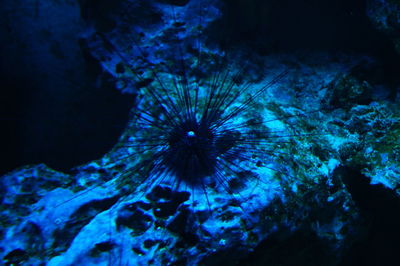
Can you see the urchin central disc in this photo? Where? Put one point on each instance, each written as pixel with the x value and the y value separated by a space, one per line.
pixel 191 134
pixel 191 153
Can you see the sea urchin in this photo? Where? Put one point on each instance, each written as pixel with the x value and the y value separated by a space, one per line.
pixel 194 132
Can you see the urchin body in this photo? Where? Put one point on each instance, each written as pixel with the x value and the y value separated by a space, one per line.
pixel 194 150
pixel 199 141
pixel 191 152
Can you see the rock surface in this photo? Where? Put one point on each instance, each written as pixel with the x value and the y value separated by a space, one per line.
pixel 328 123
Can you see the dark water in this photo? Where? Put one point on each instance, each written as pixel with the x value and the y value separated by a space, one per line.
pixel 310 26
pixel 58 106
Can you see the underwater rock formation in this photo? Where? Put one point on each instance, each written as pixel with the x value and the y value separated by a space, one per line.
pixel 93 219
pixel 293 199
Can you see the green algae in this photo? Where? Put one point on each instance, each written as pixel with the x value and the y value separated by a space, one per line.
pixel 379 154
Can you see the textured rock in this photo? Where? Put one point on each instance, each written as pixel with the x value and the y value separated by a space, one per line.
pixel 110 212
pixel 112 218
pixel 379 124
pixel 148 37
